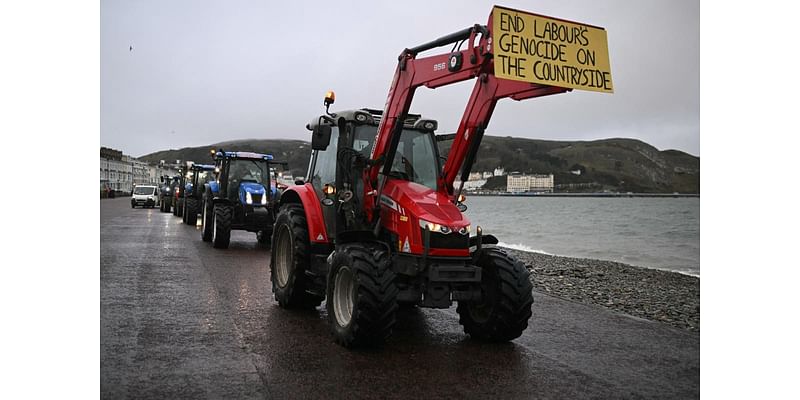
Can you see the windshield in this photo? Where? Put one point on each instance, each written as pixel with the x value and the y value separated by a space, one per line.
pixel 144 190
pixel 204 177
pixel 255 171
pixel 415 159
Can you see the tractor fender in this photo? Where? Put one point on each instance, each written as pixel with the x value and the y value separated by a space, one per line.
pixel 214 187
pixel 305 195
pixel 213 195
pixel 187 190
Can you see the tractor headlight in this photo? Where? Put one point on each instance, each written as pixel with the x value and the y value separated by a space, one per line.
pixel 433 227
pixel 264 199
pixel 248 198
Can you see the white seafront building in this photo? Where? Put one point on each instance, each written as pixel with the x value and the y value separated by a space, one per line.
pixel 521 183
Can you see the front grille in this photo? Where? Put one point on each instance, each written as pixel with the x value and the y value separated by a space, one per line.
pixel 453 240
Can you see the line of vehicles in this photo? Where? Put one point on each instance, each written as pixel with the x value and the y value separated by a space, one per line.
pixel 379 222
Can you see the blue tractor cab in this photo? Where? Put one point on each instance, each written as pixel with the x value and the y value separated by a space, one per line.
pixel 243 196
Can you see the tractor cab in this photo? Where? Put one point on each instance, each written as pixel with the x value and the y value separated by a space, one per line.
pixel 413 188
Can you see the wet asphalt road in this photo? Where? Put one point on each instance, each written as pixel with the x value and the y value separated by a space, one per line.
pixel 179 319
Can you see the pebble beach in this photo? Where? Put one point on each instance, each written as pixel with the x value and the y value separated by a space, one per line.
pixel 663 296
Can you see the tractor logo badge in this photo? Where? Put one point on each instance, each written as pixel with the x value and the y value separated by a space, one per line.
pixel 406 247
pixel 319 237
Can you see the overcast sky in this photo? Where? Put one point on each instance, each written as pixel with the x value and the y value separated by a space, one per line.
pixel 203 72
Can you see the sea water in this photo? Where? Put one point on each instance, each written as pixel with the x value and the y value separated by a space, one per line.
pixel 662 233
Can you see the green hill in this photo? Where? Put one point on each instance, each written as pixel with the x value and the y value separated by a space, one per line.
pixel 295 152
pixel 624 165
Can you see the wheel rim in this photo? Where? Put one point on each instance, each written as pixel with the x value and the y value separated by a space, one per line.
pixel 343 290
pixel 205 215
pixel 214 228
pixel 283 258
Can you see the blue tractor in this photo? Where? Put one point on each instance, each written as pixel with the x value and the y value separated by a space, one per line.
pixel 199 176
pixel 243 196
pixel 166 194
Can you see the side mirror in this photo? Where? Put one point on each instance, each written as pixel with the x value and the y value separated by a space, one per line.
pixel 461 207
pixel 321 137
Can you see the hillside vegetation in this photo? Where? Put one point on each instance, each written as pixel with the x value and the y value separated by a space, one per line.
pixel 624 165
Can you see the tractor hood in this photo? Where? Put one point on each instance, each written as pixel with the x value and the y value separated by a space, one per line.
pixel 421 202
pixel 252 188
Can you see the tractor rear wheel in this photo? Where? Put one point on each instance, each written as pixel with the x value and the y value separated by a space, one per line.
pixel 505 309
pixel 221 232
pixel 291 259
pixel 208 209
pixel 180 208
pixel 190 214
pixel 362 296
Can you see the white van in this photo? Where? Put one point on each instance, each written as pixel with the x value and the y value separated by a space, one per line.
pixel 145 196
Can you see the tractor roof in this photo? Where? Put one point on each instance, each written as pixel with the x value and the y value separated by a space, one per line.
pixel 373 117
pixel 248 155
pixel 203 167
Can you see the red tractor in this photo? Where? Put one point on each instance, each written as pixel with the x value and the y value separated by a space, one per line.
pixel 379 221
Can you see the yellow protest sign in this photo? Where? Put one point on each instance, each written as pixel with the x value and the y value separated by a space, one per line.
pixel 549 51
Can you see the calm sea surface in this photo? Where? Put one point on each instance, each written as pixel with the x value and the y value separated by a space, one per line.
pixel 661 233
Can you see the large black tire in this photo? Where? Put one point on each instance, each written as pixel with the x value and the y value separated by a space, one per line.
pixel 208 216
pixel 190 214
pixel 505 309
pixel 180 208
pixel 133 205
pixel 362 296
pixel 221 232
pixel 175 207
pixel 291 259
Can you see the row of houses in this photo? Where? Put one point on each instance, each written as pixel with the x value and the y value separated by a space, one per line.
pixel 120 172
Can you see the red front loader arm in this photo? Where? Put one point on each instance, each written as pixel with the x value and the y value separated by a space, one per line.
pixel 441 70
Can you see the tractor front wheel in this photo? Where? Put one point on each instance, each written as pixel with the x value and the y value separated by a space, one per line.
pixel 503 312
pixel 208 209
pixel 221 232
pixel 362 296
pixel 290 260
pixel 190 213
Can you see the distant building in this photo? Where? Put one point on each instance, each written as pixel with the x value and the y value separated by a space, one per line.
pixel 474 185
pixel 474 176
pixel 541 183
pixel 521 183
pixel 487 175
pixel 499 171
